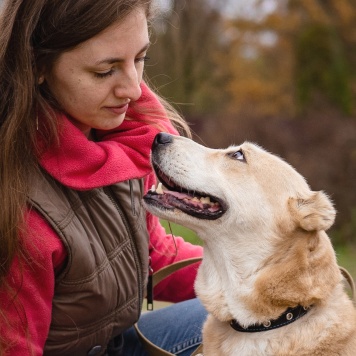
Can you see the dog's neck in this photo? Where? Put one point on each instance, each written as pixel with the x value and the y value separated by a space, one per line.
pixel 242 286
pixel 227 253
pixel 229 276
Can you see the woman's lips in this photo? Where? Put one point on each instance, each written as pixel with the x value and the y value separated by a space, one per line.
pixel 118 110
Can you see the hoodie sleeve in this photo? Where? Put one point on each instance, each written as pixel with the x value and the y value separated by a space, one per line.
pixel 27 302
pixel 165 250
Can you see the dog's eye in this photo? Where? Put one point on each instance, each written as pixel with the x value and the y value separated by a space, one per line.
pixel 239 155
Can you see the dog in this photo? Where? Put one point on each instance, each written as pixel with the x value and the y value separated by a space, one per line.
pixel 269 278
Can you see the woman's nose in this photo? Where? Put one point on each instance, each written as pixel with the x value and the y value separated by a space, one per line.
pixel 129 84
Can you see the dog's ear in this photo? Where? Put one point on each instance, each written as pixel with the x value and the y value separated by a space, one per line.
pixel 312 213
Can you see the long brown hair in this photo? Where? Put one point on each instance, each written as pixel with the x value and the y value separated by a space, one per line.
pixel 33 34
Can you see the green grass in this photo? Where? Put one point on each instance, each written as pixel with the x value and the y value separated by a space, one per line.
pixel 179 230
pixel 346 256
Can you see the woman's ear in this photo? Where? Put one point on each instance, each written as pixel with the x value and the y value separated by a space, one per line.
pixel 41 79
pixel 312 213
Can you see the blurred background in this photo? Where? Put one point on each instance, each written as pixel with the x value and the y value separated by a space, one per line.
pixel 278 73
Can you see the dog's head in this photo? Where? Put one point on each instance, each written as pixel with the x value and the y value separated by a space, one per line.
pixel 241 186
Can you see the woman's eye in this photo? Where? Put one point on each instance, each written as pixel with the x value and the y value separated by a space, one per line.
pixel 104 74
pixel 239 155
pixel 143 59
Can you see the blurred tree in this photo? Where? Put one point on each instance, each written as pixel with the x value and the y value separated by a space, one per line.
pixel 261 67
pixel 183 68
pixel 311 61
pixel 325 46
pixel 324 69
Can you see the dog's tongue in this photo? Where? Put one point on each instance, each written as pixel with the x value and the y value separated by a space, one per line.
pixel 177 194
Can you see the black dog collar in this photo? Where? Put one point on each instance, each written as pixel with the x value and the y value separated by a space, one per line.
pixel 289 316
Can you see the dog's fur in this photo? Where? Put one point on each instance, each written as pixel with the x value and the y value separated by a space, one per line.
pixel 267 252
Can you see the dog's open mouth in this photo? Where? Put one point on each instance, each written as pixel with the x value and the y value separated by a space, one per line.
pixel 197 204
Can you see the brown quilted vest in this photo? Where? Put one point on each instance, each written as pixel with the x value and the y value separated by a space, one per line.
pixel 99 292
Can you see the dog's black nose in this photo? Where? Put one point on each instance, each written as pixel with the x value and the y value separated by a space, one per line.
pixel 163 139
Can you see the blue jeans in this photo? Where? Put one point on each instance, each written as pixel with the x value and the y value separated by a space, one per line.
pixel 176 329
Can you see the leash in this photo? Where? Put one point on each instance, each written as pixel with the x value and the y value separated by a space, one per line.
pixel 154 279
pixel 346 274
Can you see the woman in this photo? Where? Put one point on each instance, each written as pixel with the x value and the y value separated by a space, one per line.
pixel 76 126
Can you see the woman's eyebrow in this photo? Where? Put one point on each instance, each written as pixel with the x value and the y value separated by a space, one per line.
pixel 112 60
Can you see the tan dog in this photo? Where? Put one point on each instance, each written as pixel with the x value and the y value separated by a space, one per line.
pixel 269 277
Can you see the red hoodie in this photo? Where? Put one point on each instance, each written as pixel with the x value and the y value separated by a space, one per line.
pixel 81 164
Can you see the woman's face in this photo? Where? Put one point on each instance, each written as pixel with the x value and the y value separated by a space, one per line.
pixel 94 82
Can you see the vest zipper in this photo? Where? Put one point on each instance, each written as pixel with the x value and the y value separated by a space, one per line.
pixel 133 207
pixel 110 194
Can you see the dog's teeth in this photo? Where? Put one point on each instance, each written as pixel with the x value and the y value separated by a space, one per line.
pixel 153 188
pixel 159 189
pixel 205 200
pixel 195 199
